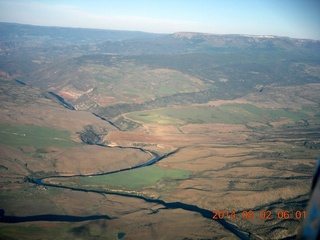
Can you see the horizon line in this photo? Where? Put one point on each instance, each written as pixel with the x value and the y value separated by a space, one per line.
pixel 168 33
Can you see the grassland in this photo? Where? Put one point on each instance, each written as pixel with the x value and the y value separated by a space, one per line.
pixel 241 156
pixel 133 179
pixel 36 136
pixel 226 113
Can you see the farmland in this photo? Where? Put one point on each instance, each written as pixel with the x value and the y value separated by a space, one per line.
pixel 128 180
pixel 30 135
pixel 225 113
pixel 143 136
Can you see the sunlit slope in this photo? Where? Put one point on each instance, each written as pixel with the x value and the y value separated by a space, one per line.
pixel 97 81
pixel 225 75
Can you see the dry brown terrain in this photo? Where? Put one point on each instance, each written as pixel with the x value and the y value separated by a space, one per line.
pixel 132 135
pixel 234 168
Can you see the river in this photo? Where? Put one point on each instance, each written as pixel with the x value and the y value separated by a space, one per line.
pixel 167 205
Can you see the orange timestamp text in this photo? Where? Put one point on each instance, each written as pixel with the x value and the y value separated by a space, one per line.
pixel 262 214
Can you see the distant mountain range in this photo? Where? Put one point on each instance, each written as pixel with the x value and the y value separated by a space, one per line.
pixel 13 32
pixel 229 116
pixel 110 72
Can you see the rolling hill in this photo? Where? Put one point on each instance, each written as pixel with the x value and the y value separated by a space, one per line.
pixel 119 134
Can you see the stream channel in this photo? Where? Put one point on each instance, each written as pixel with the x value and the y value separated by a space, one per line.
pixel 166 205
pixel 97 141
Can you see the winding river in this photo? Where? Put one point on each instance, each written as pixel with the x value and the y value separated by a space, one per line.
pixel 166 205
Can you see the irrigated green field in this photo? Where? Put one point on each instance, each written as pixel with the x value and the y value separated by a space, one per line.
pixel 36 136
pixel 133 179
pixel 226 113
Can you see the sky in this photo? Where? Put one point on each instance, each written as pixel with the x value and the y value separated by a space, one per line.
pixel 291 18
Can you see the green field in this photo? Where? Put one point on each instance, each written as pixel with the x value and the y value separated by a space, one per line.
pixel 132 179
pixel 36 136
pixel 225 113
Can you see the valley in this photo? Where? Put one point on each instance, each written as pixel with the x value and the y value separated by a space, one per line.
pixel 146 136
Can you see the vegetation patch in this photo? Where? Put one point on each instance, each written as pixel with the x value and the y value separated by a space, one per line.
pixel 36 136
pixel 133 179
pixel 125 124
pixel 226 113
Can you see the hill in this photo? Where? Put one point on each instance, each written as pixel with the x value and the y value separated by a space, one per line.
pixel 229 123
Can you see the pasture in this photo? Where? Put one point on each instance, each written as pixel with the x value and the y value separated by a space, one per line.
pixel 233 113
pixel 36 136
pixel 133 179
